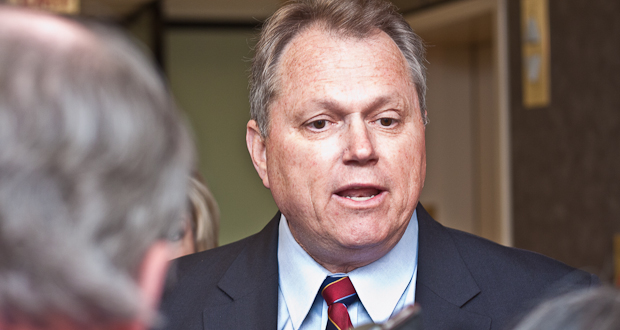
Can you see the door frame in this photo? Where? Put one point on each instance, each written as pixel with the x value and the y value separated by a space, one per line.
pixel 443 15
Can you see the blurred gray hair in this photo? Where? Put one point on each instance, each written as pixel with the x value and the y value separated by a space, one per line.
pixel 94 161
pixel 350 18
pixel 597 308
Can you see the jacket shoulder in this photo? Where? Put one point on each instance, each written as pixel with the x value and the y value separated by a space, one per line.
pixel 521 274
pixel 207 264
pixel 215 279
pixel 192 285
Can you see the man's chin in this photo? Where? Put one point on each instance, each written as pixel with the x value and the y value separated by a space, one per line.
pixel 369 241
pixel 356 253
pixel 368 234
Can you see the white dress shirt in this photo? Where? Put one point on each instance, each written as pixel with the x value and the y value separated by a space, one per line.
pixel 384 287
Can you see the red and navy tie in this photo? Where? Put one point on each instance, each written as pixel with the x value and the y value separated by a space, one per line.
pixel 338 292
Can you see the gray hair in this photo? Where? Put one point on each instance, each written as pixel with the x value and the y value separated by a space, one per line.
pixel 580 310
pixel 94 161
pixel 351 18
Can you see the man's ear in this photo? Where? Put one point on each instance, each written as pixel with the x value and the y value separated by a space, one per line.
pixel 258 150
pixel 152 275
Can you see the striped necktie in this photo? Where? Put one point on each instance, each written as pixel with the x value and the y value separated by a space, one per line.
pixel 338 292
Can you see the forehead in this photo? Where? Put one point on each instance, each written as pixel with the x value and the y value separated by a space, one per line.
pixel 316 58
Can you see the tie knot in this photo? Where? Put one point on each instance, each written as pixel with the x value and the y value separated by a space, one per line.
pixel 338 289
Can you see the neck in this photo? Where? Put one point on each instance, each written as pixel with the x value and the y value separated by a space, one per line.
pixel 345 260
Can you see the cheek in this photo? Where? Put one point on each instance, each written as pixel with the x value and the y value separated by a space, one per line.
pixel 289 163
pixel 291 170
pixel 307 160
pixel 412 166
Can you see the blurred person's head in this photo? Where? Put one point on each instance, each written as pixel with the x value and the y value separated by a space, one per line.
pixel 597 309
pixel 94 161
pixel 203 219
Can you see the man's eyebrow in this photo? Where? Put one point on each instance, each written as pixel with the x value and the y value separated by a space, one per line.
pixel 328 104
pixel 336 106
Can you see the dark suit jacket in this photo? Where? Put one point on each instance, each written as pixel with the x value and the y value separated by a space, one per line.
pixel 464 282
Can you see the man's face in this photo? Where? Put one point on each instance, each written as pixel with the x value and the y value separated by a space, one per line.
pixel 345 157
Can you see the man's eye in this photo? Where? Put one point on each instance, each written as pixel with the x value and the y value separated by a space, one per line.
pixel 386 121
pixel 319 124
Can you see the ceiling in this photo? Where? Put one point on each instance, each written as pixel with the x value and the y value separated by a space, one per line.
pixel 184 9
pixel 215 10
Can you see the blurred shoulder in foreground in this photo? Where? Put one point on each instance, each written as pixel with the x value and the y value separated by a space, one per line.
pixel 597 308
pixel 94 161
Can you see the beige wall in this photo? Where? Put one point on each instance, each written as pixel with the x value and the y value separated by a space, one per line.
pixel 449 185
pixel 208 73
pixel 462 186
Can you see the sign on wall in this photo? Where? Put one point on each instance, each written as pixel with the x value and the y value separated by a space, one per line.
pixel 71 7
pixel 535 53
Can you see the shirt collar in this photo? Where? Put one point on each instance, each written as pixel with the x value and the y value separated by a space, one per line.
pixel 300 275
pixel 379 285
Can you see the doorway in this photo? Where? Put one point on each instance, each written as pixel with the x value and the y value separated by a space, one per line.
pixel 468 176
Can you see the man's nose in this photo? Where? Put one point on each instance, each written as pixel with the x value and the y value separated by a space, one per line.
pixel 360 145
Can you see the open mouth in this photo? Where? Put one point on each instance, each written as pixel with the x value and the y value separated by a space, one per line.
pixel 359 194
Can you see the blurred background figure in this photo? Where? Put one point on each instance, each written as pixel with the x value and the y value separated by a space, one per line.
pixel 594 309
pixel 94 161
pixel 203 219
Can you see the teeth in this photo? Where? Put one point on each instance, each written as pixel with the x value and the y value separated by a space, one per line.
pixel 360 199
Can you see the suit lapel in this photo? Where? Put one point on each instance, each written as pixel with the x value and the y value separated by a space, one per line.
pixel 251 282
pixel 444 284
